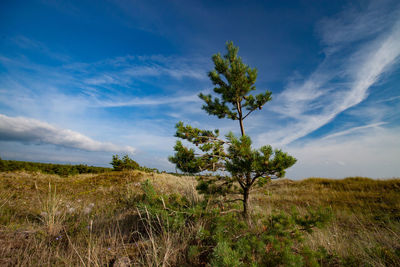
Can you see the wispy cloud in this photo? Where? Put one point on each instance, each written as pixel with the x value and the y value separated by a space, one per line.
pixel 357 22
pixel 39 47
pixel 150 101
pixel 122 70
pixel 27 130
pixel 389 99
pixel 343 78
pixel 354 129
pixel 114 82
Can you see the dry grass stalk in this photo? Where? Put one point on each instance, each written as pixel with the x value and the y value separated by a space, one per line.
pixel 52 214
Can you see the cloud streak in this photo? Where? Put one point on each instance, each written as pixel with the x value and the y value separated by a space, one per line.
pixel 122 70
pixel 27 130
pixel 342 80
pixel 354 129
pixel 153 101
pixel 356 24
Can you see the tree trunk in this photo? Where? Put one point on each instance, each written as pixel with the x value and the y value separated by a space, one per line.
pixel 246 189
pixel 246 203
pixel 241 126
pixel 239 108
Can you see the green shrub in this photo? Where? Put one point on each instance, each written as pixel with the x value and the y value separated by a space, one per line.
pixel 126 163
pixel 273 242
pixel 224 255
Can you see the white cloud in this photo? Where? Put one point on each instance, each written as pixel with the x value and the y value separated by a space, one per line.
pixel 375 154
pixel 27 130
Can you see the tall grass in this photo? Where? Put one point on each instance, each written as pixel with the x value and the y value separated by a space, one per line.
pixel 51 214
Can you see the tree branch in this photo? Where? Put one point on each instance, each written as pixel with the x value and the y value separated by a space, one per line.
pixel 240 183
pixel 229 211
pixel 256 177
pixel 249 113
pixel 215 138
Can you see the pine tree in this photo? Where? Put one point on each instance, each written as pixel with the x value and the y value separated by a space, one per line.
pixel 126 163
pixel 248 167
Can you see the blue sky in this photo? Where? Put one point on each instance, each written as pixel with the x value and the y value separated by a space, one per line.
pixel 83 80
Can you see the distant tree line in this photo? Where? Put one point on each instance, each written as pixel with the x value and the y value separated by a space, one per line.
pixel 59 169
pixel 119 164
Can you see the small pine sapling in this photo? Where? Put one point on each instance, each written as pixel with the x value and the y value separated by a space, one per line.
pixel 248 167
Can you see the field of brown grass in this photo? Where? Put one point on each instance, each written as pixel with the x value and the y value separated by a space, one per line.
pixel 91 220
pixel 366 223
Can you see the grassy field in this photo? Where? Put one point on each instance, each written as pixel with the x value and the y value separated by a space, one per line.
pixel 98 220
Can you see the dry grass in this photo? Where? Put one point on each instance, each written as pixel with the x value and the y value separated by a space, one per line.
pixel 91 220
pixel 85 220
pixel 366 226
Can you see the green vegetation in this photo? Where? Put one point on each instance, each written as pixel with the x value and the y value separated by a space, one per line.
pixel 223 239
pixel 248 167
pixel 49 168
pixel 126 163
pixel 150 219
pixel 119 164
